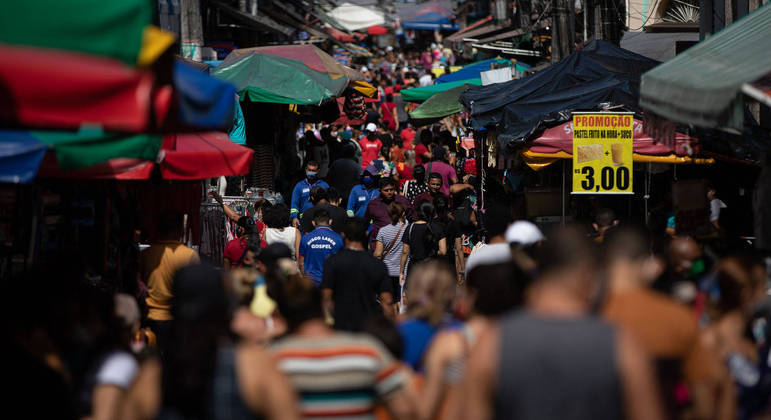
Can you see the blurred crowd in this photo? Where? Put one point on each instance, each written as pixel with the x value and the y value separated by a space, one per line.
pixel 384 290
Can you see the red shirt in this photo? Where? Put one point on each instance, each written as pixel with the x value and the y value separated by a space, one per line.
pixel 407 135
pixel 387 110
pixel 420 149
pixel 369 150
pixel 405 173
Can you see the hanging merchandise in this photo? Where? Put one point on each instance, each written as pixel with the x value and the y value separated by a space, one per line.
pixel 492 149
pixel 354 106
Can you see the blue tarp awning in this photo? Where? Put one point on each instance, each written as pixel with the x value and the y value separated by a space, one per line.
pixel 20 157
pixel 431 16
pixel 205 102
pixel 472 71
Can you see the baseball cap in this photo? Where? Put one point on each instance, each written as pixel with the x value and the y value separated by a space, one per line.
pixel 364 69
pixel 524 233
pixel 371 127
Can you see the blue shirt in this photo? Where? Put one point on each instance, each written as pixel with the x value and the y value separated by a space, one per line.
pixel 315 247
pixel 301 197
pixel 359 198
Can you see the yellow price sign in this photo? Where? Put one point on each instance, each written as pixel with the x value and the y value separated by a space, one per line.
pixel 602 152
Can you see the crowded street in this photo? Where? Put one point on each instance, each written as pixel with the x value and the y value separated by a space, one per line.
pixel 386 209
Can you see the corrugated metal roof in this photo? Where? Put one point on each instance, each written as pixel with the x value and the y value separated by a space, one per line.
pixel 702 86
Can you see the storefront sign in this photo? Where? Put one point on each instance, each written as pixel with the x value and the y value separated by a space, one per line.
pixel 602 153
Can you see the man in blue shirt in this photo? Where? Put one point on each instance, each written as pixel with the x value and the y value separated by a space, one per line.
pixel 362 194
pixel 301 195
pixel 317 245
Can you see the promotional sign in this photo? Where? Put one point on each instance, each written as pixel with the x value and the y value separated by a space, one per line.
pixel 602 152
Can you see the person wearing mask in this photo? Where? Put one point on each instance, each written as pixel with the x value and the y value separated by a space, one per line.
pixel 439 165
pixel 668 331
pixel 302 192
pixel 574 366
pixel 377 209
pixel 337 374
pixel 322 201
pixel 389 246
pixel 353 282
pixel 370 145
pixel 157 266
pixel 345 172
pixel 317 150
pixel 362 194
pixel 316 246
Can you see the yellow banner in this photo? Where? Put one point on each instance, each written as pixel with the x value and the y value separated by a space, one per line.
pixel 602 152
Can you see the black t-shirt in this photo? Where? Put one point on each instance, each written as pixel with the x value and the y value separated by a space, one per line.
pixel 344 174
pixel 337 214
pixel 415 237
pixel 356 279
pixel 372 116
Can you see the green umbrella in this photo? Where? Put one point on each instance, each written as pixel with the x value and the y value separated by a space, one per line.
pixel 438 106
pixel 109 28
pixel 92 146
pixel 420 94
pixel 285 74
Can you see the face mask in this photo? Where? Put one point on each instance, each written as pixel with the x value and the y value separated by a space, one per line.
pixel 367 181
pixel 312 176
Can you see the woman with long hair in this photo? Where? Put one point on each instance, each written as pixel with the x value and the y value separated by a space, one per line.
pixel 279 228
pixel 417 185
pixel 423 239
pixel 205 374
pixel 389 246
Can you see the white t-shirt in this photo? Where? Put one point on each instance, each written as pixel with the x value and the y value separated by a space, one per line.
pixel 425 80
pixel 488 254
pixel 286 237
pixel 715 205
pixel 119 368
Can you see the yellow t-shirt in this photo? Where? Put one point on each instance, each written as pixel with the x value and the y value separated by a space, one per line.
pixel 157 265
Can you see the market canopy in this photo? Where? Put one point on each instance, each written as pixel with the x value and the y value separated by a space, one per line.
pixel 55 89
pixel 285 74
pixel 703 85
pixel 600 76
pixel 116 29
pixel 420 94
pixel 430 16
pixel 353 17
pixel 19 159
pixel 187 156
pixel 557 143
pixel 471 71
pixel 438 106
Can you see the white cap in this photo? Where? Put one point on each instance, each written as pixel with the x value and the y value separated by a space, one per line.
pixel 524 233
pixel 371 127
pixel 389 48
pixel 364 69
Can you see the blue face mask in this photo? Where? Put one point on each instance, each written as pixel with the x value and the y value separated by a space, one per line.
pixel 311 176
pixel 368 181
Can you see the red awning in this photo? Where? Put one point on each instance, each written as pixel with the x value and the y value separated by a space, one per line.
pixel 560 138
pixel 340 35
pixel 377 30
pixel 50 88
pixel 188 156
pixel 203 155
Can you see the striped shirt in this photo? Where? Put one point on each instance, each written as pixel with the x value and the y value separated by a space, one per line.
pixel 386 235
pixel 340 376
